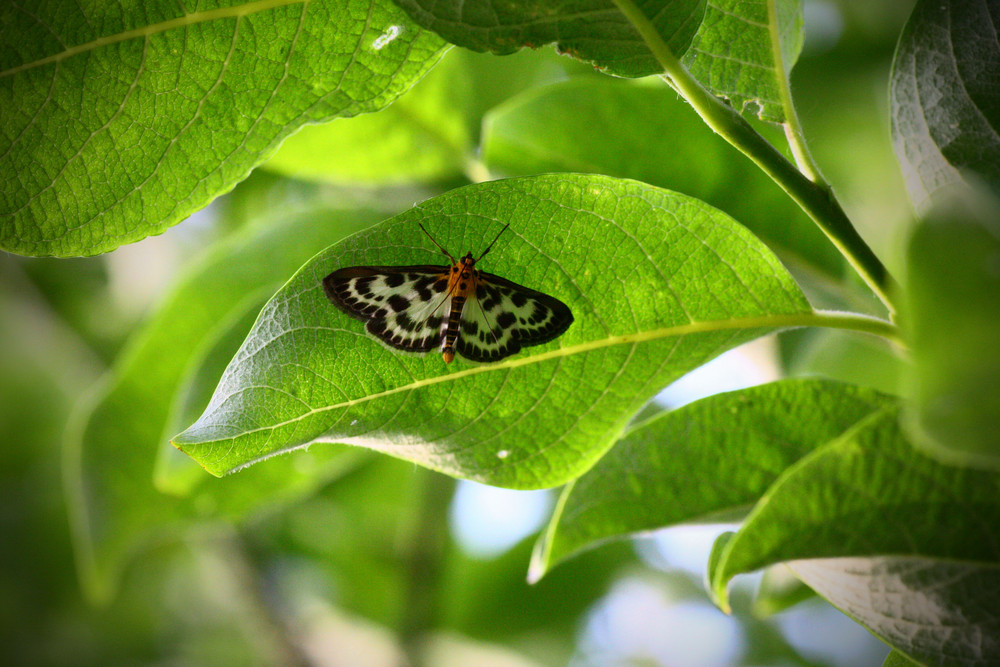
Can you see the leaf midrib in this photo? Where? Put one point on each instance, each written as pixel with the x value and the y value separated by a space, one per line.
pixel 826 319
pixel 181 21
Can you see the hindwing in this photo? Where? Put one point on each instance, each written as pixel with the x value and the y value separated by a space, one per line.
pixel 500 317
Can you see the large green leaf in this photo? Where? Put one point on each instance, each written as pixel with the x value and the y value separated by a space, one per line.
pixel 552 129
pixel 112 455
pixel 592 30
pixel 717 455
pixel 745 50
pixel 936 612
pixel 658 282
pixel 868 493
pixel 945 110
pixel 120 120
pixel 953 314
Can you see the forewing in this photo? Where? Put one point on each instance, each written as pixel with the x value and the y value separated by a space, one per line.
pixel 403 306
pixel 501 317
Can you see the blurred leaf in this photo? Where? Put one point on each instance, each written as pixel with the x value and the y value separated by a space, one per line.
pixel 426 135
pixel 111 449
pixel 43 366
pixel 590 30
pixel 778 591
pixel 953 301
pixel 856 358
pixel 715 455
pixel 121 120
pixel 659 282
pixel 868 493
pixel 735 53
pixel 945 107
pixel 897 659
pixel 937 612
pixel 648 134
pixel 356 533
pixel 490 600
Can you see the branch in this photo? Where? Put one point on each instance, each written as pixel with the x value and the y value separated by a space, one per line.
pixel 816 199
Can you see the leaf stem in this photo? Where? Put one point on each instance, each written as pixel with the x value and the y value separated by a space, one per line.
pixel 815 198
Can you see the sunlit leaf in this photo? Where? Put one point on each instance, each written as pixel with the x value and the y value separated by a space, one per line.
pixel 745 50
pixel 713 456
pixel 658 283
pixel 591 30
pixel 120 120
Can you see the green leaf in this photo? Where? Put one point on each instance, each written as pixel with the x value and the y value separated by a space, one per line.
pixel 112 448
pixel 945 111
pixel 897 659
pixel 714 456
pixel 121 120
pixel 868 493
pixel 953 302
pixel 931 611
pixel 590 30
pixel 778 591
pixel 658 282
pixel 425 136
pixel 552 129
pixel 745 50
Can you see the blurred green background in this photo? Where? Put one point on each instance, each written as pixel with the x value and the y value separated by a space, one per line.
pixel 371 561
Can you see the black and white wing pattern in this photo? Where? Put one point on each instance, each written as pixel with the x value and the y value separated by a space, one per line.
pixel 406 307
pixel 500 317
pixel 457 309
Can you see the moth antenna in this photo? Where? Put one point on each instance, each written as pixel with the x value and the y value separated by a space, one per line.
pixel 494 241
pixel 440 247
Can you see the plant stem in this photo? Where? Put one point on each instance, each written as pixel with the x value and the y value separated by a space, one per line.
pixel 816 199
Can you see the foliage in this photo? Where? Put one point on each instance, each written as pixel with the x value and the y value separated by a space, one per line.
pixel 631 199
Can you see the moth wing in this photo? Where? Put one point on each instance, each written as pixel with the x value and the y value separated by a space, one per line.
pixel 501 317
pixel 403 306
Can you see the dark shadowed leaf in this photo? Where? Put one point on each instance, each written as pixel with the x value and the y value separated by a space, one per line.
pixel 592 30
pixel 868 493
pixel 934 611
pixel 945 105
pixel 658 283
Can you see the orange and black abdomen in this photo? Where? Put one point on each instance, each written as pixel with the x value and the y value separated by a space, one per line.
pixel 454 324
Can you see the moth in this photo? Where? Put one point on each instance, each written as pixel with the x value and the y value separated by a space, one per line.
pixel 456 308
